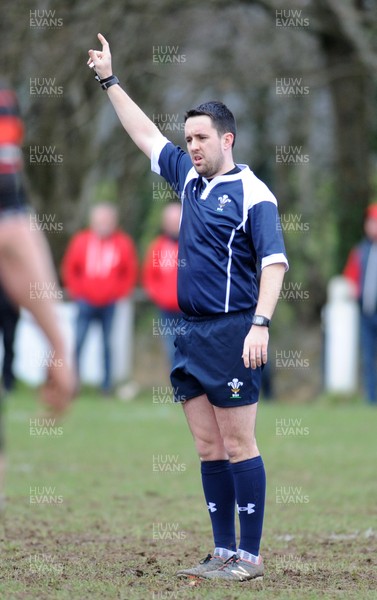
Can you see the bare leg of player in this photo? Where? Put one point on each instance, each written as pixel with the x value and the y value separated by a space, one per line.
pixel 237 427
pixel 203 425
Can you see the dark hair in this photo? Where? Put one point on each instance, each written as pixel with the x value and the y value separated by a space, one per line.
pixel 222 118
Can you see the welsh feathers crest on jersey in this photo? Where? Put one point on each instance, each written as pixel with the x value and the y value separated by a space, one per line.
pixel 223 201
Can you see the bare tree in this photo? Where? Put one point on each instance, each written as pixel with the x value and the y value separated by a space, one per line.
pixel 235 52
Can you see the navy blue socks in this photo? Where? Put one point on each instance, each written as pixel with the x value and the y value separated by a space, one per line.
pixel 223 484
pixel 250 489
pixel 218 486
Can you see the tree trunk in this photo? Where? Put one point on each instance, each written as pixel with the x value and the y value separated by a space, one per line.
pixel 350 87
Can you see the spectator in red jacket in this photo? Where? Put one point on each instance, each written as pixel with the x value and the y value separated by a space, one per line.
pixel 160 276
pixel 99 268
pixel 361 271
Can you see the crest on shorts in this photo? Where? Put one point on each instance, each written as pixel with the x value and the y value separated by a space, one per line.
pixel 223 201
pixel 235 385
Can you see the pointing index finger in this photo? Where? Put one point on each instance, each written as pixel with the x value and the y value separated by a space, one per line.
pixel 103 40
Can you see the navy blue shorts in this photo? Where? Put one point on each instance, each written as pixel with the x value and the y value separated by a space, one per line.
pixel 208 360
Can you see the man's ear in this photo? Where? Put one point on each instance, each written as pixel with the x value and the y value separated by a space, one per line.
pixel 228 139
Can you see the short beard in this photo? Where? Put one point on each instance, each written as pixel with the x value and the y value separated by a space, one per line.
pixel 211 171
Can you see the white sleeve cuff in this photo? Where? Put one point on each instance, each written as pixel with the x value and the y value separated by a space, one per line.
pixel 275 259
pixel 155 154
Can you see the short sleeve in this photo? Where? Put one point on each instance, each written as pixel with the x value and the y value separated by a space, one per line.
pixel 171 162
pixel 264 228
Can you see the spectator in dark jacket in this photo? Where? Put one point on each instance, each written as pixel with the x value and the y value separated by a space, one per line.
pixel 361 271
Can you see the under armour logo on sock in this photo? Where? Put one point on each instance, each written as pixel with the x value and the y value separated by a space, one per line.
pixel 249 508
pixel 212 507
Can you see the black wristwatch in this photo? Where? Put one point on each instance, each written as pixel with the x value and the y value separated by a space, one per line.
pixel 261 321
pixel 107 81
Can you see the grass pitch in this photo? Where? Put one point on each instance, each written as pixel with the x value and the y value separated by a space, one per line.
pixel 108 504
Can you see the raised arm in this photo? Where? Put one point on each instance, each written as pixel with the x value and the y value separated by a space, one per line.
pixel 138 126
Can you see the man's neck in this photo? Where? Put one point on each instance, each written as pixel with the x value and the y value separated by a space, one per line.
pixel 233 168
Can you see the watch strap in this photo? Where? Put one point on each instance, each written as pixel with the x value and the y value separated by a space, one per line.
pixel 108 82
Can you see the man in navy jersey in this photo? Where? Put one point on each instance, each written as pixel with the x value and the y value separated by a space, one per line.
pixel 229 225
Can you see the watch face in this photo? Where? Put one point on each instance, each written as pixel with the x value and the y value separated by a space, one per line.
pixel 259 320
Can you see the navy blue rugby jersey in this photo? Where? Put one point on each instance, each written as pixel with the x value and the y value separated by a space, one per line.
pixel 229 224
